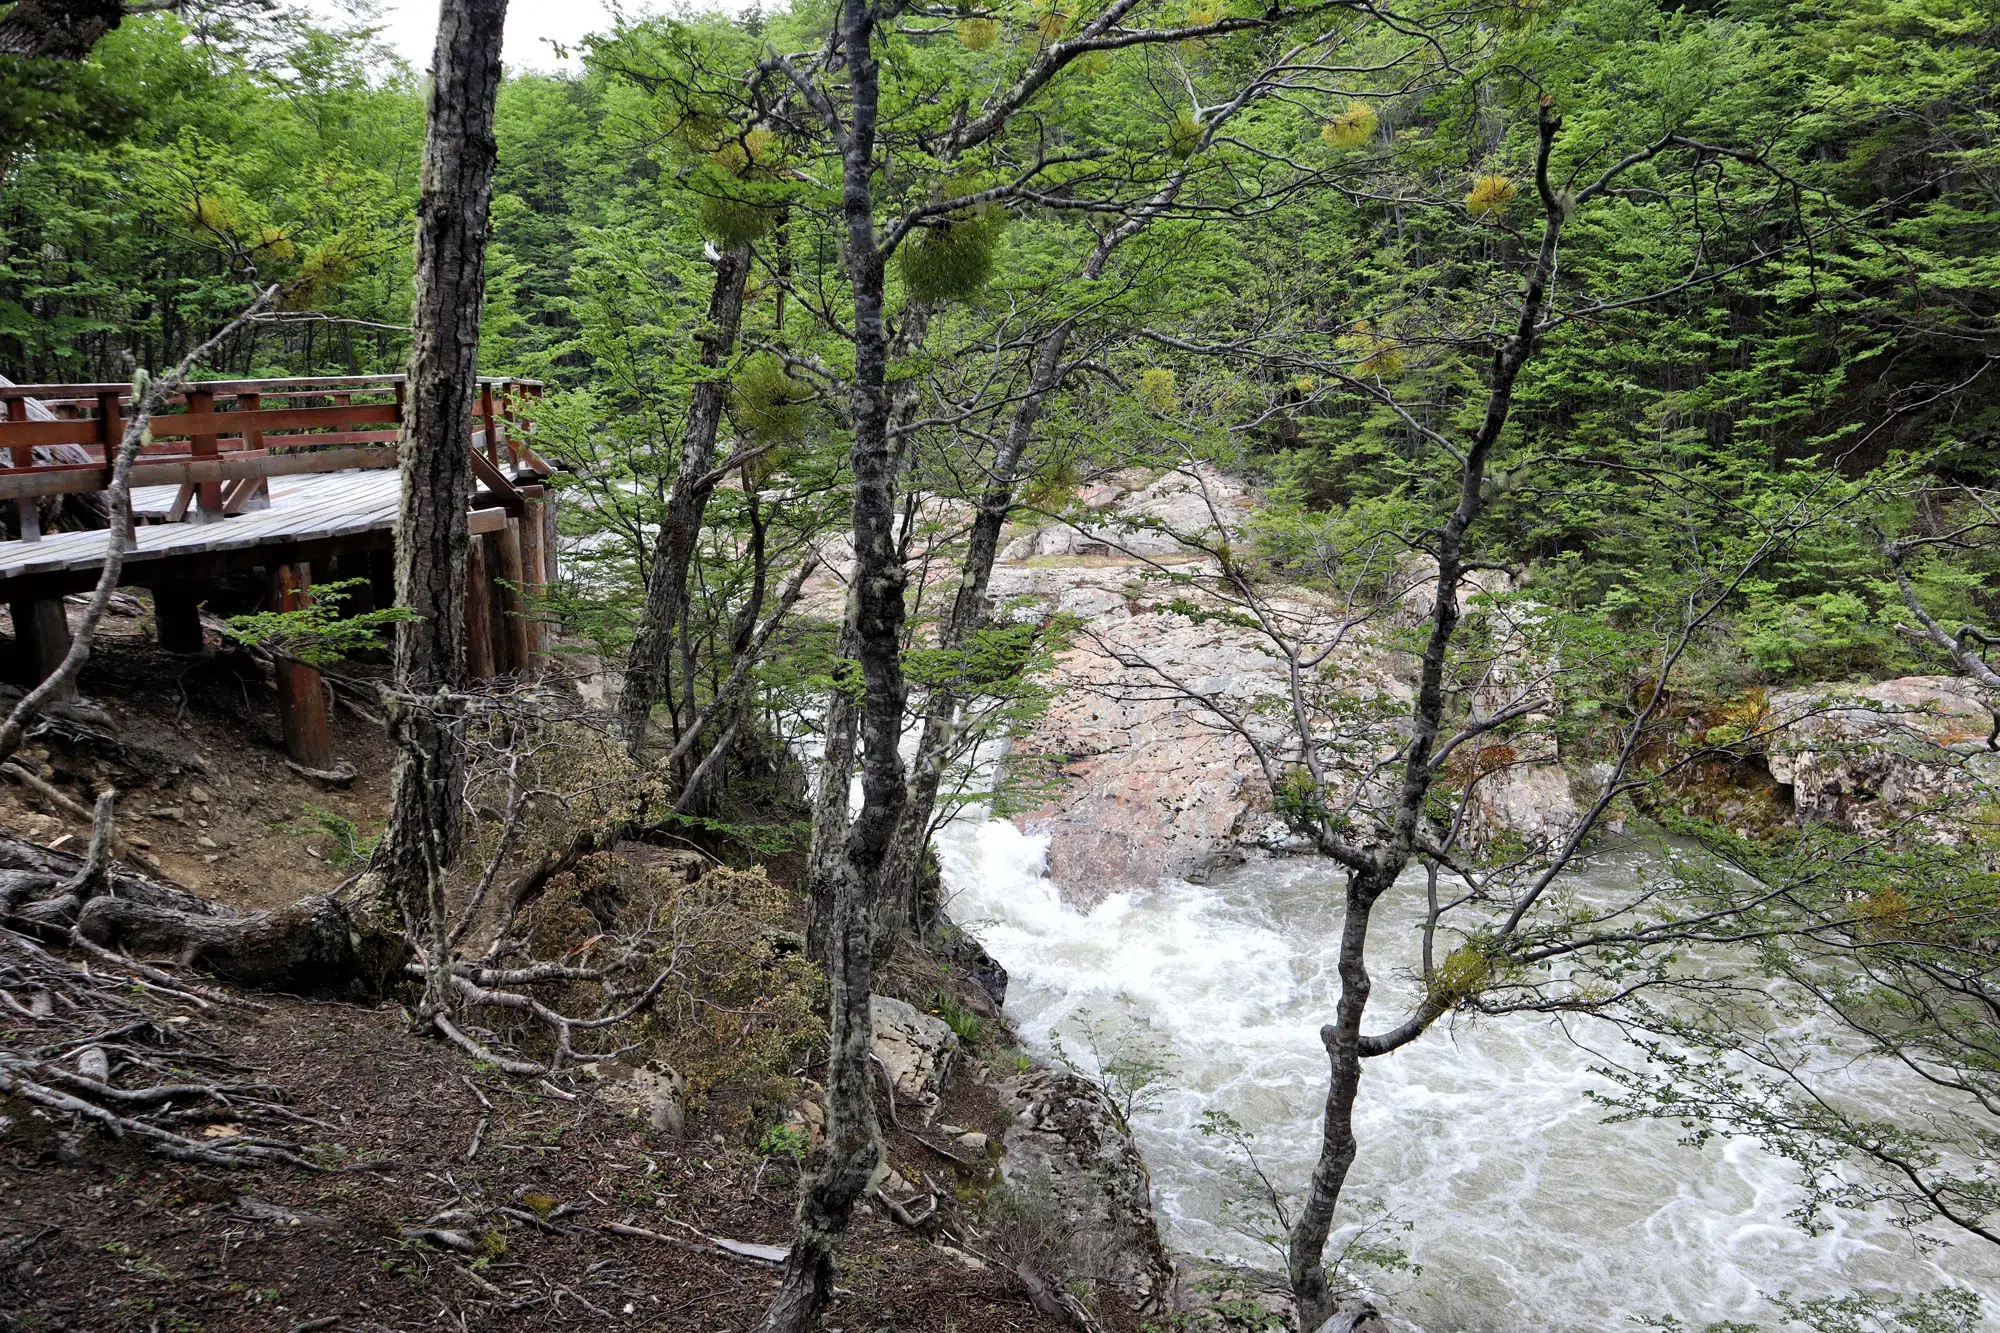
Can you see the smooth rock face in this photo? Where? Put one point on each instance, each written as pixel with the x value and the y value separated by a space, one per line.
pixel 1865 758
pixel 917 1049
pixel 1151 784
pixel 1532 800
pixel 1068 1139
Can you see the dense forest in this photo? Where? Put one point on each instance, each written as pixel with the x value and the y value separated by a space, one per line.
pixel 1597 392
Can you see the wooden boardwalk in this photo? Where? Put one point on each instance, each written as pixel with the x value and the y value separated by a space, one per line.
pixel 296 478
pixel 356 509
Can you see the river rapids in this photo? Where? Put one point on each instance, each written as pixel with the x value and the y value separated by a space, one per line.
pixel 1525 1209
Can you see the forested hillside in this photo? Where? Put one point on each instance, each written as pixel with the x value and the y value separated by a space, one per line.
pixel 1539 458
pixel 1828 311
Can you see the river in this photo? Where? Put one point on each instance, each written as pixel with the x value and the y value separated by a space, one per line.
pixel 1525 1210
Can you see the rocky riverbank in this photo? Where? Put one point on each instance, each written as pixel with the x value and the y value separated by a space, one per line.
pixel 1152 785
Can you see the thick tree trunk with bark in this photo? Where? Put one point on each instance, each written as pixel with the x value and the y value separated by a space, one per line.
pixel 431 534
pixel 57 29
pixel 829 1192
pixel 680 528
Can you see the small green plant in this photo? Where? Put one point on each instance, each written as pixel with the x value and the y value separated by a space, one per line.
pixel 783 1141
pixel 958 1018
pixel 316 633
pixel 1126 1061
pixel 350 844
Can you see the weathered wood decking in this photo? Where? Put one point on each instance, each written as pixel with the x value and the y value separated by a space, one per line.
pixel 311 517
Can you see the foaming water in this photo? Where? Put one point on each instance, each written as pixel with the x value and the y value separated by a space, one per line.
pixel 1526 1210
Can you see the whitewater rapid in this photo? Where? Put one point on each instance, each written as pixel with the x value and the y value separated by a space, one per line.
pixel 1524 1208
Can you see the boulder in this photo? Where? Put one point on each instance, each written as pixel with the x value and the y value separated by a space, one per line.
pixel 969 957
pixel 1866 758
pixel 1530 799
pixel 1069 1140
pixel 654 1092
pixel 1148 783
pixel 917 1050
pixel 1356 1317
pixel 808 1114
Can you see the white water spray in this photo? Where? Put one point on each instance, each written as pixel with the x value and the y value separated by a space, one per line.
pixel 1527 1211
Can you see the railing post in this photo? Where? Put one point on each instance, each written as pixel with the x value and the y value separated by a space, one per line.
pixel 486 412
pixel 27 507
pixel 201 445
pixel 256 491
pixel 111 434
pixel 301 694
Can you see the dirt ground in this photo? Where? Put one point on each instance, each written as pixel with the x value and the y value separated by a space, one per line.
pixel 99 1234
pixel 201 766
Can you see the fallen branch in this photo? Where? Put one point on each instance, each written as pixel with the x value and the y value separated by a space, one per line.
pixel 62 800
pixel 764 1256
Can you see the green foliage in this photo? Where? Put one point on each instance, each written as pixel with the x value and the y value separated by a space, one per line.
pixel 951 259
pixel 317 633
pixel 958 1018
pixel 350 845
pixel 766 401
pixel 147 183
pixel 783 1141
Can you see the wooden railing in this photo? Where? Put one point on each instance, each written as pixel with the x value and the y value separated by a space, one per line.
pixel 222 441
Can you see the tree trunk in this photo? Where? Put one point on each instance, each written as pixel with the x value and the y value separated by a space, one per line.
pixel 680 527
pixel 902 876
pixel 57 29
pixel 836 780
pixel 828 1194
pixel 1375 873
pixel 431 532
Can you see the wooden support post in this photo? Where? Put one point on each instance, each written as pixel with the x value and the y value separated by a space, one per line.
pixel 514 622
pixel 301 694
pixel 360 598
pixel 255 492
pixel 534 577
pixel 27 507
pixel 496 605
pixel 382 577
pixel 549 540
pixel 479 664
pixel 202 444
pixel 41 641
pixel 177 616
